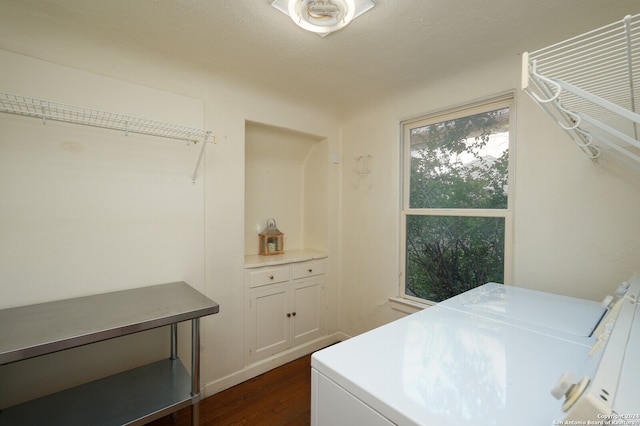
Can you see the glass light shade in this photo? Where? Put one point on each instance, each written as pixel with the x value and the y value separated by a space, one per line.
pixel 322 16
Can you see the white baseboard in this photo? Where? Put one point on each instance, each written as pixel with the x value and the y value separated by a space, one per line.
pixel 262 366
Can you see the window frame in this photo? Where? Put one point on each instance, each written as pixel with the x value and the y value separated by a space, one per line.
pixel 495 102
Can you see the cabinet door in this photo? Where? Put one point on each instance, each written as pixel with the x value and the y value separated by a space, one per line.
pixel 268 323
pixel 306 310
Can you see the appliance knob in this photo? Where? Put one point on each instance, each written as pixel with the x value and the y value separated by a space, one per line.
pixel 606 302
pixel 622 289
pixel 566 386
pixel 563 385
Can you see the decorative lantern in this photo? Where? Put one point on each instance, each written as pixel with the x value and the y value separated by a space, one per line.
pixel 271 239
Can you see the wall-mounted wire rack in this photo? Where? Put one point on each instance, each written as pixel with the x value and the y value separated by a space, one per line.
pixel 590 85
pixel 49 110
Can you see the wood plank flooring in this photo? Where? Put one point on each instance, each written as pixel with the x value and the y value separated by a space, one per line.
pixel 279 397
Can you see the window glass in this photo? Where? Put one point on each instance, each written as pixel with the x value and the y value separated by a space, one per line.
pixel 448 255
pixel 456 214
pixel 461 163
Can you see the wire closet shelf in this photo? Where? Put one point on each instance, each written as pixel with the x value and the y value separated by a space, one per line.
pixel 49 110
pixel 590 85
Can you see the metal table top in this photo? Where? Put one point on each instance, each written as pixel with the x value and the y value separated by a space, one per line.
pixel 32 330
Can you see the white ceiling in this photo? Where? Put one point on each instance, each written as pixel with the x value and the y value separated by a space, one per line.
pixel 393 47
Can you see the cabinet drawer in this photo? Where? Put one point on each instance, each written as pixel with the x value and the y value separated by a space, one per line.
pixel 268 276
pixel 308 269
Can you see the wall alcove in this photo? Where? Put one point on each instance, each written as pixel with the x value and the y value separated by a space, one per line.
pixel 286 177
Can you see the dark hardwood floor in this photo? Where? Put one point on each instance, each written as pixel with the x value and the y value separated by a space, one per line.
pixel 279 397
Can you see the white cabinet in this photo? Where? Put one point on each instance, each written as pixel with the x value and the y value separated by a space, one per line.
pixel 284 307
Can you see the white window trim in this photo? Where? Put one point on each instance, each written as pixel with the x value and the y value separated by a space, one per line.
pixel 406 303
pixel 408 306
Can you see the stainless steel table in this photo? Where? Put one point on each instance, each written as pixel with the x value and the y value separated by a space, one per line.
pixel 133 397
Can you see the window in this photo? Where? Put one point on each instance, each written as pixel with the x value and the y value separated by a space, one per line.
pixel 456 214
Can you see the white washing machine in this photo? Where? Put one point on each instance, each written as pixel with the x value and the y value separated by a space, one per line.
pixel 488 359
pixel 605 389
pixel 564 317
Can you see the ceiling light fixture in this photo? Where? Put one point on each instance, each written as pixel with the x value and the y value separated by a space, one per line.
pixel 322 16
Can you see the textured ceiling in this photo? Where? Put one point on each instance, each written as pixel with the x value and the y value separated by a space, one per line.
pixel 393 47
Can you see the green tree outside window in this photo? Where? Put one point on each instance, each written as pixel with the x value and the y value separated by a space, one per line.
pixel 459 165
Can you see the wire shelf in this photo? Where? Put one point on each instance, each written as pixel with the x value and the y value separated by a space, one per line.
pixel 48 110
pixel 590 85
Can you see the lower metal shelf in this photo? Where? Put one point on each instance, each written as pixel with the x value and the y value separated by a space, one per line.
pixel 132 397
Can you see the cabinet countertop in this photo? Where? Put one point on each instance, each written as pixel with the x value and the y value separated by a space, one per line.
pixel 293 256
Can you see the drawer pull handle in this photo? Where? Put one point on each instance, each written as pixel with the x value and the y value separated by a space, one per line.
pixel 310 270
pixel 291 314
pixel 294 314
pixel 270 277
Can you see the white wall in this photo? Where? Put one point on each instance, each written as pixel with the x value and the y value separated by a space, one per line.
pixel 575 232
pixel 87 210
pixel 315 227
pixel 217 201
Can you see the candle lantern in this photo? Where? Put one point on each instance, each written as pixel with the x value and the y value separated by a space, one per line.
pixel 271 239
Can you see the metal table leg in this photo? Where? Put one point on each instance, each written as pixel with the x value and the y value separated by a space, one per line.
pixel 195 371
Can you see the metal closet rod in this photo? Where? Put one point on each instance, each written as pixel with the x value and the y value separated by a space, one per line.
pixel 56 111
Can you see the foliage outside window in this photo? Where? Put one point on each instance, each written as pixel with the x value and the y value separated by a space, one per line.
pixel 456 211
